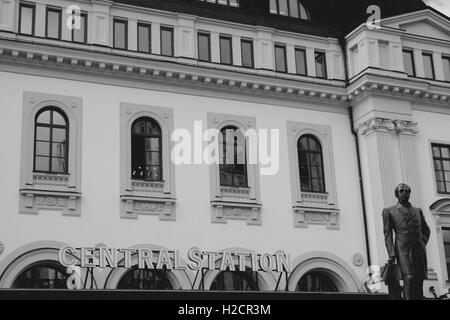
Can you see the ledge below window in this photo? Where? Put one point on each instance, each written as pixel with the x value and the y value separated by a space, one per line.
pixel 222 211
pixel 305 216
pixel 33 200
pixel 133 206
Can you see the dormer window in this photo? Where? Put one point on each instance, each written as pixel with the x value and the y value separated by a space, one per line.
pixel 231 3
pixel 289 8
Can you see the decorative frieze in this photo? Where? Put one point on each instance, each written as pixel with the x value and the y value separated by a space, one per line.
pixel 135 206
pixel 231 193
pixel 303 217
pixel 34 200
pixel 224 211
pixel 406 127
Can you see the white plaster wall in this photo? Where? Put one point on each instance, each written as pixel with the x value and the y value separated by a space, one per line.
pixel 100 218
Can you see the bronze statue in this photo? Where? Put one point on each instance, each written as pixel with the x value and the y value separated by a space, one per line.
pixel 411 236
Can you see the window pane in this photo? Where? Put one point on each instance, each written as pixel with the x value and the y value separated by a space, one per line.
pixel 152 158
pixel 440 186
pixel 438 165
pixel 44 117
pixel 42 133
pixel 143 38
pixel 408 61
pixel 440 175
pixel 225 50
pixel 59 149
pixel 428 66
pixel 273 6
pixel 120 36
pixel 26 20
pixel 283 10
pixel 53 24
pixel 300 61
pixel 234 3
pixel 247 53
pixel 446 63
pixel 293 8
pixel 321 70
pixel 280 58
pixel 152 144
pixel 167 42
pixel 446 165
pixel 203 47
pixel 42 148
pixel 303 13
pixel 58 119
pixel 436 152
pixel 59 165
pixel 446 235
pixel 317 185
pixel 41 164
pixel 59 135
pixel 79 35
pixel 445 152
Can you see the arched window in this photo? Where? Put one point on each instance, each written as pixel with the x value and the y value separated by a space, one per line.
pixel 42 275
pixel 291 8
pixel 146 150
pixel 316 281
pixel 310 160
pixel 51 141
pixel 236 281
pixel 145 279
pixel 233 162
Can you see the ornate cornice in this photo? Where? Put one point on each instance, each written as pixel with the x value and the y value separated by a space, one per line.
pixel 376 125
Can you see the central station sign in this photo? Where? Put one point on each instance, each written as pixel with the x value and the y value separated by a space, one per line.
pixel 144 258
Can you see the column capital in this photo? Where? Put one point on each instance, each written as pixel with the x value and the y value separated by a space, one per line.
pixel 406 127
pixel 376 125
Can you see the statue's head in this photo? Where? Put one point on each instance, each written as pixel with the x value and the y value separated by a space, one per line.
pixel 402 193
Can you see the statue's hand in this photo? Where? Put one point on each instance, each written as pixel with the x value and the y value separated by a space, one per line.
pixel 391 260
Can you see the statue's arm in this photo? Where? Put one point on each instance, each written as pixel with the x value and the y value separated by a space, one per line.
pixel 388 233
pixel 425 228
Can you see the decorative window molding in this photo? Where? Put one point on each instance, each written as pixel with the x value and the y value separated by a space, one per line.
pixel 234 202
pixel 310 207
pixel 50 191
pixel 141 196
pixel 441 212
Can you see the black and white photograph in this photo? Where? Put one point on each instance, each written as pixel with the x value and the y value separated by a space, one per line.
pixel 225 155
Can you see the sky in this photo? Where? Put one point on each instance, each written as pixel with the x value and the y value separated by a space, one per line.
pixel 440 5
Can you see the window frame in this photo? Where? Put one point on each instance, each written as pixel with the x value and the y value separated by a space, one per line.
pixel 235 153
pixel 230 40
pixel 56 10
pixel 85 15
pixel 252 54
pixel 441 159
pixel 430 55
pixel 281 46
pixel 309 165
pixel 172 35
pixel 446 57
pixel 289 10
pixel 33 20
pixel 51 126
pixel 303 202
pixel 413 62
pixel 297 49
pixel 125 22
pixel 321 52
pixel 208 35
pixel 149 26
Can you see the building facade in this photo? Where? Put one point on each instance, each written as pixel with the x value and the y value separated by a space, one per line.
pixel 96 97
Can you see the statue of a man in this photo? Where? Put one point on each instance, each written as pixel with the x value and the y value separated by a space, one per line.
pixel 411 236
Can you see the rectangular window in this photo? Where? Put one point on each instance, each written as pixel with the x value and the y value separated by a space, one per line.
pixel 167 44
pixel 26 19
pixel 446 64
pixel 321 64
pixel 204 46
pixel 428 65
pixel 280 58
pixel 300 61
pixel 283 7
pixel 446 237
pixel 53 23
pixel 441 161
pixel 384 54
pixel 226 50
pixel 247 53
pixel 80 34
pixel 408 61
pixel 120 34
pixel 144 37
